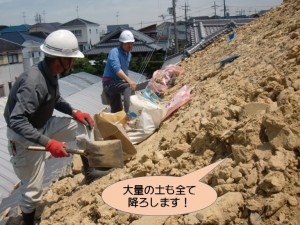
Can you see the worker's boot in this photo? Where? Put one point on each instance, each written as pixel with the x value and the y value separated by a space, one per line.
pixel 92 174
pixel 28 218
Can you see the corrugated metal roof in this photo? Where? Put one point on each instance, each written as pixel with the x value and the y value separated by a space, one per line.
pixel 76 88
pixel 174 59
pixel 82 91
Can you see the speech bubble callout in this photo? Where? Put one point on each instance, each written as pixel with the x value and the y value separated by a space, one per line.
pixel 162 195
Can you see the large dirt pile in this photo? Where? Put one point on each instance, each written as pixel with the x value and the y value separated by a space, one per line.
pixel 247 111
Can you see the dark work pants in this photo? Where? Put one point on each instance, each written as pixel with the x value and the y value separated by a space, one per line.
pixel 115 90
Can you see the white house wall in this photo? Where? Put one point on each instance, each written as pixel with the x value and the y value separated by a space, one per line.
pixel 86 37
pixel 31 54
pixel 9 73
pixel 95 34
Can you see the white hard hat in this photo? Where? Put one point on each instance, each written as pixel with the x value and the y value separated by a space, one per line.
pixel 61 43
pixel 126 36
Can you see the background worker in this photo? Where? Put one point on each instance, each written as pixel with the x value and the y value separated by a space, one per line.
pixel 28 114
pixel 115 78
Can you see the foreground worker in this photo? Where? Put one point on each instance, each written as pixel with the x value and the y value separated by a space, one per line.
pixel 115 78
pixel 28 114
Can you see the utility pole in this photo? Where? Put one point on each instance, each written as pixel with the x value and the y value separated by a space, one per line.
pixel 215 8
pixel 175 26
pixel 186 8
pixel 224 9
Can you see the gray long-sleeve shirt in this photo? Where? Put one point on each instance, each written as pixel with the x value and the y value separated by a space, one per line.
pixel 31 103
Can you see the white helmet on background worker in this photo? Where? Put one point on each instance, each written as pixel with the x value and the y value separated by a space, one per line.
pixel 126 36
pixel 61 43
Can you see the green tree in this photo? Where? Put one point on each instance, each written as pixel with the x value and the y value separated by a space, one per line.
pixel 83 65
pixel 100 63
pixel 139 64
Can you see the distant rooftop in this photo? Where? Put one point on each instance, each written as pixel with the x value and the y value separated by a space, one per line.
pixel 78 21
pixel 19 28
pixel 19 37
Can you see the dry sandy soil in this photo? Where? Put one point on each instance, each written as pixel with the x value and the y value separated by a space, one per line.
pixel 246 111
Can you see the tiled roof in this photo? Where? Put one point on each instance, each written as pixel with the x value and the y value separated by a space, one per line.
pixel 20 28
pixel 78 22
pixel 7 46
pixel 138 36
pixel 46 26
pixel 223 22
pixel 111 28
pixel 204 32
pixel 137 47
pixel 143 43
pixel 206 27
pixel 43 29
pixel 2 27
pixel 20 37
pixel 150 28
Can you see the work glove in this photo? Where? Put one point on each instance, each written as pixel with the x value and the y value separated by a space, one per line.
pixel 84 118
pixel 57 148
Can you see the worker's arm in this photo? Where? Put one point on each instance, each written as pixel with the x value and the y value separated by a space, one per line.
pixel 28 98
pixel 124 77
pixel 115 63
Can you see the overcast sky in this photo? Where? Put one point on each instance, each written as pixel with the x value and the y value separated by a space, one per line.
pixel 136 13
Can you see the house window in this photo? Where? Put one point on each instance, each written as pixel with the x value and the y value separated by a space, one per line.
pixel 96 31
pixel 90 31
pixel 2 94
pixel 12 59
pixel 77 33
pixel 35 54
pixel 81 47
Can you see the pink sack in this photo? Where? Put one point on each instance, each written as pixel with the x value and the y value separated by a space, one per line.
pixel 165 78
pixel 180 98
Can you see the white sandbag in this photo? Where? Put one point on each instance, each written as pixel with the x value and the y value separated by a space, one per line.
pixel 144 118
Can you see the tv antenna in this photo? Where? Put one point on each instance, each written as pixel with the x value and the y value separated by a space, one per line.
pixel 77 11
pixel 24 17
pixel 117 15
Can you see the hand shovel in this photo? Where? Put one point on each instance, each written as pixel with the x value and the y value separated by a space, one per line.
pixel 106 153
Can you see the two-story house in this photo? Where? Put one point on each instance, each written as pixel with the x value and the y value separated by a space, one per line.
pixel 18 52
pixel 11 65
pixel 87 33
